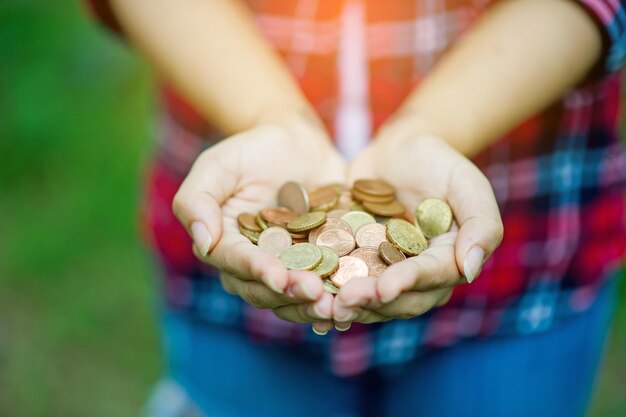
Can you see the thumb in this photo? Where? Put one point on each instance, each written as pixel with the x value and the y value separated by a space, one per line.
pixel 197 205
pixel 481 230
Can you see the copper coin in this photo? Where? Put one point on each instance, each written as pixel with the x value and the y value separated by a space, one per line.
pixel 360 196
pixel 330 224
pixel 371 235
pixel 349 267
pixel 323 198
pixel 374 187
pixel 340 240
pixel 278 216
pixel 248 221
pixel 294 197
pixel 394 208
pixel 390 254
pixel 371 257
pixel 275 240
pixel 335 214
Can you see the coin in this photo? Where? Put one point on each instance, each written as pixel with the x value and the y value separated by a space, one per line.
pixel 349 267
pixel 304 236
pixel 294 197
pixel 390 254
pixel 371 257
pixel 391 209
pixel 406 237
pixel 434 217
pixel 251 235
pixel 360 196
pixel 329 287
pixel 323 198
pixel 329 224
pixel 374 187
pixel 338 239
pixel 260 221
pixel 248 221
pixel 306 221
pixel 302 257
pixel 274 240
pixel 357 219
pixel 371 235
pixel 335 214
pixel 329 264
pixel 278 216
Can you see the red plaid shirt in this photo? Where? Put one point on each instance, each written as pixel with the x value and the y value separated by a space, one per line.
pixel 559 177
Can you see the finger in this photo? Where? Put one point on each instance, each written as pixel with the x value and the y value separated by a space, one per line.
pixel 355 293
pixel 299 313
pixel 366 316
pixel 434 268
pixel 254 293
pixel 197 202
pixel 474 205
pixel 413 304
pixel 237 256
pixel 322 327
pixel 304 285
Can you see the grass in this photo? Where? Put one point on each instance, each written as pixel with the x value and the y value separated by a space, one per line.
pixel 78 334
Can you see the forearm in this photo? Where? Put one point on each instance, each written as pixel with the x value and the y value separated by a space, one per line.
pixel 212 53
pixel 516 60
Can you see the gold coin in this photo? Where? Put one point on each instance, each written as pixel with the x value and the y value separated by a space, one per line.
pixel 260 221
pixel 250 234
pixel 434 217
pixel 360 196
pixel 329 264
pixel 391 209
pixel 293 196
pixel 302 256
pixel 390 254
pixel 306 221
pixel 357 219
pixel 323 198
pixel 374 187
pixel 329 287
pixel 406 237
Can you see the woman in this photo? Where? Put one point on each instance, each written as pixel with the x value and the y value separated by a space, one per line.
pixel 528 89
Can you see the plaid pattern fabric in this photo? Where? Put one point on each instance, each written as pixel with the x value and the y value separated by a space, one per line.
pixel 559 180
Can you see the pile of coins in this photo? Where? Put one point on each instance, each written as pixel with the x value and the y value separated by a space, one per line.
pixel 344 234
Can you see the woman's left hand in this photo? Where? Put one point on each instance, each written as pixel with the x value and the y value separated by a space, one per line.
pixel 422 166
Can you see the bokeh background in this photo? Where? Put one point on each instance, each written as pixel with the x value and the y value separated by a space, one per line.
pixel 79 303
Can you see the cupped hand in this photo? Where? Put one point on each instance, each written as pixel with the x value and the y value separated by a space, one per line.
pixel 419 167
pixel 243 174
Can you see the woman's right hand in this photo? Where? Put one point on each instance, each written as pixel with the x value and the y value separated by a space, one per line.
pixel 243 173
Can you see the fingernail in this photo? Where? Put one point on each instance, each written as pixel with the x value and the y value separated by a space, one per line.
pixel 343 328
pixel 317 332
pixel 387 299
pixel 473 263
pixel 201 236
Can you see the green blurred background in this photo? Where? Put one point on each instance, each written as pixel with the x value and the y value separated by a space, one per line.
pixel 78 334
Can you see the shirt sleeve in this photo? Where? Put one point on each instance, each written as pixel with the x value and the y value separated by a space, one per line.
pixel 611 17
pixel 102 11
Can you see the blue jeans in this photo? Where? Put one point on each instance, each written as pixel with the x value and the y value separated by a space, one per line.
pixel 545 374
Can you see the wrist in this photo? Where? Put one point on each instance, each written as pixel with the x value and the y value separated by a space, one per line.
pixel 409 123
